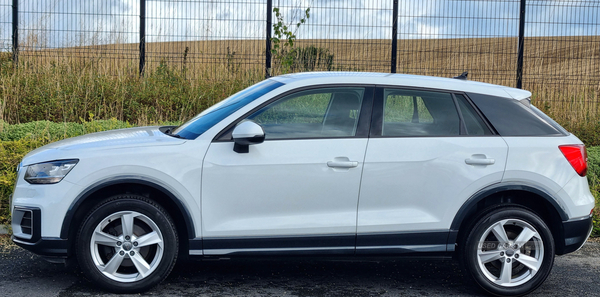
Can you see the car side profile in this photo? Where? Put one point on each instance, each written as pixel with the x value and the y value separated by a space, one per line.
pixel 334 164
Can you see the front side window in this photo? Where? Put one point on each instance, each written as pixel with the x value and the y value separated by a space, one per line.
pixel 216 113
pixel 419 113
pixel 317 113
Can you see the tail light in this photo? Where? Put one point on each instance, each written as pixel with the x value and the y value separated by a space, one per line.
pixel 577 157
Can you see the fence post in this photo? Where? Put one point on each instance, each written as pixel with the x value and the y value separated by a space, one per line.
pixel 521 45
pixel 394 37
pixel 142 36
pixel 15 32
pixel 268 40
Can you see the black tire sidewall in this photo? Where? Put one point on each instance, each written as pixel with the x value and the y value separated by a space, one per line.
pixel 469 251
pixel 127 203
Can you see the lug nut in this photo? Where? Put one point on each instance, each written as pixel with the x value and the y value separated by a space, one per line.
pixel 127 237
pixel 121 253
pixel 501 253
pixel 507 260
pixel 119 243
pixel 131 253
pixel 516 256
pixel 135 243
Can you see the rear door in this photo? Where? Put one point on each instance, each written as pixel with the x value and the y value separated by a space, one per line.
pixel 429 151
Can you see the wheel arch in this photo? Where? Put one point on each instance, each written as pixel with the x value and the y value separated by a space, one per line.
pixel 530 197
pixel 135 185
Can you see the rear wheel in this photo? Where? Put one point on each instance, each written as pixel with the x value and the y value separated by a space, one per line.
pixel 509 252
pixel 127 244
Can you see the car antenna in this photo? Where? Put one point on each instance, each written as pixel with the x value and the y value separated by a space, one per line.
pixel 463 76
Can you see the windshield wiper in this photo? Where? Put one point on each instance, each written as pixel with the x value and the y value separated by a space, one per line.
pixel 170 133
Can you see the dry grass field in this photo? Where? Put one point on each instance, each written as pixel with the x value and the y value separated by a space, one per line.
pixel 562 72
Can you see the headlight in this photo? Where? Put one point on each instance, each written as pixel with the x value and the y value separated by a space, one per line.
pixel 49 172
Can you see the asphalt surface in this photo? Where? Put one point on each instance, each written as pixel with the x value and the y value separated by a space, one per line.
pixel 25 274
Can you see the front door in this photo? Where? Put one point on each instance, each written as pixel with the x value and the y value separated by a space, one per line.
pixel 298 190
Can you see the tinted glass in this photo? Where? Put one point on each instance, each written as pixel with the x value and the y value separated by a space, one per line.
pixel 419 113
pixel 216 113
pixel 473 123
pixel 328 112
pixel 511 118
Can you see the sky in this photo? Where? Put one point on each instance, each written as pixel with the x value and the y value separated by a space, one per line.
pixel 61 23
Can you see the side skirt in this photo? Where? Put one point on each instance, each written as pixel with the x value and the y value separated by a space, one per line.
pixel 420 244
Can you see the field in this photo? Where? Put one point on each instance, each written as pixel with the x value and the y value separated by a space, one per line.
pixel 101 84
pixel 562 72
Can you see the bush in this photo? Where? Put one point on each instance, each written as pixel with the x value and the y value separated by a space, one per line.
pixel 17 140
pixel 594 181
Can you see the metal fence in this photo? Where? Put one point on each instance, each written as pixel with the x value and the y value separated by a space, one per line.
pixel 508 42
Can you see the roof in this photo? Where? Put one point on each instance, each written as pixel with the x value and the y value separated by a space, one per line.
pixel 406 80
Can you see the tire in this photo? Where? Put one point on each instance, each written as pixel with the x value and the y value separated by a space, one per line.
pixel 127 244
pixel 492 260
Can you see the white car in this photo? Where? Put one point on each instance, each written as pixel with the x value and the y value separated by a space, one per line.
pixel 332 164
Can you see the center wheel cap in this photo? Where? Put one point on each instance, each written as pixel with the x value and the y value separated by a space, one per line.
pixel 509 252
pixel 127 246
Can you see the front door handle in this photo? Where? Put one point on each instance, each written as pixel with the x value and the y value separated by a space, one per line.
pixel 480 159
pixel 342 162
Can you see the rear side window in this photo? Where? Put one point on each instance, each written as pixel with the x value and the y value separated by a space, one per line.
pixel 511 118
pixel 419 113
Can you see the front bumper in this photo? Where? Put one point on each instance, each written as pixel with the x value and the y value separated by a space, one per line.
pixel 26 225
pixel 575 233
pixel 46 247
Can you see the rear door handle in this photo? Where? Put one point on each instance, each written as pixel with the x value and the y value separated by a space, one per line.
pixel 480 159
pixel 342 162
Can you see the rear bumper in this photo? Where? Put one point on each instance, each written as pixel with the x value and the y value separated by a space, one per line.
pixel 575 233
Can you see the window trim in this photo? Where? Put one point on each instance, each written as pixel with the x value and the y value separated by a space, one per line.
pixel 480 114
pixel 364 118
pixel 377 118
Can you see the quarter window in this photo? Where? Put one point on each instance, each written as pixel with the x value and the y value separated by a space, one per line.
pixel 328 112
pixel 473 123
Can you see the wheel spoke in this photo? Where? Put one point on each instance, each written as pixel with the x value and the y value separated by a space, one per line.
pixel 506 273
pixel 112 265
pixel 149 239
pixel 525 235
pixel 531 262
pixel 103 238
pixel 488 256
pixel 500 233
pixel 140 264
pixel 127 223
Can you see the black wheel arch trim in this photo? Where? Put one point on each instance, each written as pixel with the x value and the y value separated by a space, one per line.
pixel 81 198
pixel 502 187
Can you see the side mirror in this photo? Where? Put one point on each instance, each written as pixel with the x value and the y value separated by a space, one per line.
pixel 245 134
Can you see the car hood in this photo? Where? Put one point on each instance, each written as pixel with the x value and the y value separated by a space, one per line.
pixel 107 140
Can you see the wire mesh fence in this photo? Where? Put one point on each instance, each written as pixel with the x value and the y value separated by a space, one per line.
pixel 5 26
pixel 85 32
pixel 563 43
pixel 206 38
pixel 209 39
pixel 445 38
pixel 337 39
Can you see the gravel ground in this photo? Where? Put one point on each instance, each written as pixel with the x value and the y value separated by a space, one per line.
pixel 25 274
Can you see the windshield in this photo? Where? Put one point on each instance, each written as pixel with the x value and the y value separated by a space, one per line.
pixel 216 113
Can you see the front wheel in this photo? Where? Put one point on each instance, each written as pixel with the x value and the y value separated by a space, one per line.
pixel 509 252
pixel 127 244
